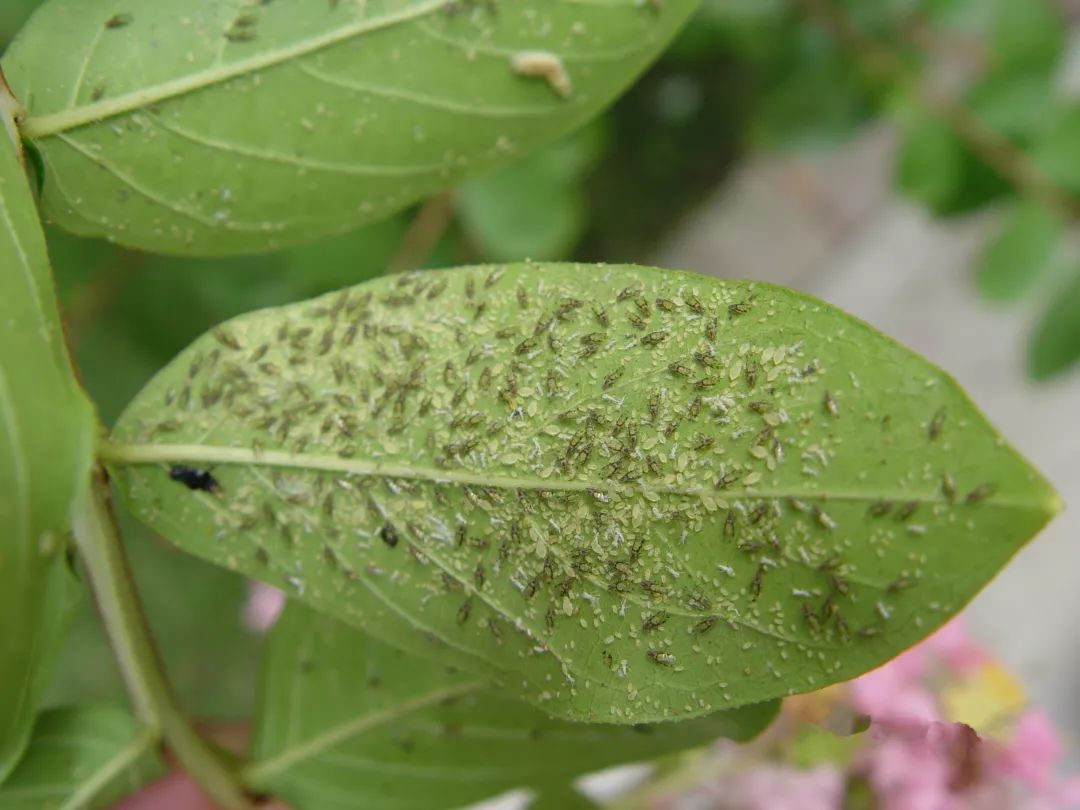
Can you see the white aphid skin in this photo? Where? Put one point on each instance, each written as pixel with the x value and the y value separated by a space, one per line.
pixel 544 65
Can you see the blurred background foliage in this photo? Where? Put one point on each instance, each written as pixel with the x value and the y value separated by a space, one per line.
pixel 973 87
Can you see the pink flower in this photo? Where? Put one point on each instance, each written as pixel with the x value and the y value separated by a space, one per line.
pixel 264 605
pixel 782 788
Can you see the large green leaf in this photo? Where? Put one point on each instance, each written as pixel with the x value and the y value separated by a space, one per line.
pixel 82 758
pixel 209 128
pixel 46 436
pixel 626 494
pixel 349 722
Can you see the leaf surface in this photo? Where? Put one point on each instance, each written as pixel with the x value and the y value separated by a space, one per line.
pixel 82 758
pixel 626 494
pixel 1055 346
pixel 46 433
pixel 1021 253
pixel 212 128
pixel 348 721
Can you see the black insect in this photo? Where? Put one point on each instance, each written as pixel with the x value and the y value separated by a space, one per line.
pixel 198 480
pixel 389 535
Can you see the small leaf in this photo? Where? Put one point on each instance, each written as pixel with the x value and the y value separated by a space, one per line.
pixel 82 758
pixel 1055 347
pixel 1021 252
pixel 204 128
pixel 628 495
pixel 1027 34
pixel 350 722
pixel 46 435
pixel 1055 149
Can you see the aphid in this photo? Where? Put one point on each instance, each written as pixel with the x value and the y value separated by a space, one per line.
pixel 727 479
pixel 654 338
pixel 494 276
pixel 810 617
pixel 654 621
pixel 739 308
pixel 693 303
pixel 666 304
pixel 613 378
pixel 655 403
pixel 506 332
pixel 710 329
pixel 554 343
pixel 703 626
pixel 902 582
pixel 484 383
pixel 759 406
pixel 637 320
pixel 388 534
pixel 118 21
pixel 755 583
pixel 694 408
pixel 751 375
pixel 552 383
pixel 758 513
pixel 662 658
pixel 829 404
pixel 567 306
pixel 527 345
pixel 703 442
pixel 544 65
pixel 625 293
pixel 705 383
pixel 601 315
pixel 643 306
pixel 880 508
pixel 522 297
pixel 227 339
pixel 937 423
pixel 464 611
pixel 706 358
pixel 948 486
pixel 653 588
pixel 907 510
pixel 729 524
pixel 261 556
pixel 680 369
pixel 194 479
pixel 980 493
pixel 549 618
pixel 839 584
pixel 98 93
pixel 240 35
pixel 699 601
pixel 478 576
pixel 330 556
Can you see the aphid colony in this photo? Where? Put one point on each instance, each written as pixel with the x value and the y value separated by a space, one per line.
pixel 518 457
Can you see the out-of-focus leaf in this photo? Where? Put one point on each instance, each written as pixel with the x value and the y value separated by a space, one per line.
pixel 936 169
pixel 626 495
pixel 47 432
pixel 533 209
pixel 1027 34
pixel 1013 103
pixel 1055 347
pixel 1056 150
pixel 209 129
pixel 348 722
pixel 82 758
pixel 1021 252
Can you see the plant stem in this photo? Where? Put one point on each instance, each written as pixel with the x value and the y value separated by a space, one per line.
pixel 121 611
pixel 424 233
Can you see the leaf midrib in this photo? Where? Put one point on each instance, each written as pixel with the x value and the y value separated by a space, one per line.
pixel 72 118
pixel 123 454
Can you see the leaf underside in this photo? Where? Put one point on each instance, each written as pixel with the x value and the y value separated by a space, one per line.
pixel 46 430
pixel 213 128
pixel 82 757
pixel 348 722
pixel 625 494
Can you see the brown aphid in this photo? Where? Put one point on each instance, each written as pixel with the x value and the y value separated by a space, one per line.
pixel 654 621
pixel 662 658
pixel 936 424
pixel 694 408
pixel 680 369
pixel 637 320
pixel 705 358
pixel 948 487
pixel 693 303
pixel 601 315
pixel 907 510
pixel 739 308
pixel 643 306
pixel 654 338
pixel 829 404
pixel 666 304
pixel 522 297
pixel 901 583
pixel 980 493
pixel 703 626
pixel 479 576
pixel 810 617
pixel 728 479
pixel 880 508
pixel 710 329
pixel 464 611
pixel 755 583
pixel 118 21
pixel 705 383
pixel 613 378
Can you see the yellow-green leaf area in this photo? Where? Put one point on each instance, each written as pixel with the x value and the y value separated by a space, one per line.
pixel 625 494
pixel 214 128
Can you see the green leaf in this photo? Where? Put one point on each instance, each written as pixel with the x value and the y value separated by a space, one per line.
pixel 1027 34
pixel 204 128
pixel 1056 345
pixel 534 208
pixel 348 722
pixel 81 758
pixel 626 494
pixel 46 436
pixel 1055 150
pixel 1021 253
